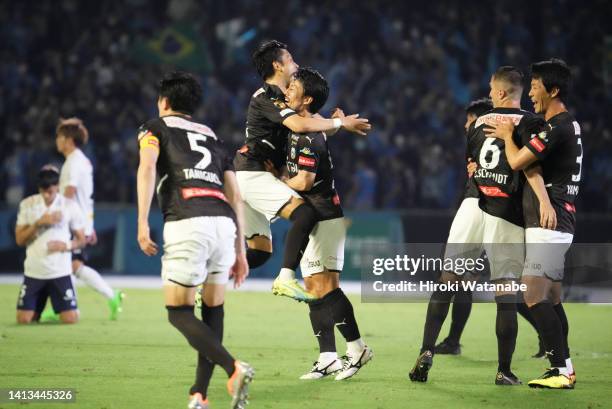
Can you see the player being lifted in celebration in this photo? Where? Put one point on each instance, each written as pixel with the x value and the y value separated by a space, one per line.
pixel 497 228
pixel 269 120
pixel 558 149
pixel 309 167
pixel 203 243
pixel 76 182
pixel 45 223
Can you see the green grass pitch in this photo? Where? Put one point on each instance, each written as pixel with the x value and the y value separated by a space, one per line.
pixel 140 361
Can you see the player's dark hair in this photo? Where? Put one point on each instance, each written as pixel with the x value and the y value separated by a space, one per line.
pixel 511 76
pixel 74 129
pixel 554 73
pixel 183 91
pixel 479 106
pixel 315 86
pixel 48 176
pixel 265 55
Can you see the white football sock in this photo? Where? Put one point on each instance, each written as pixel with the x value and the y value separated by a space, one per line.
pixel 327 357
pixel 355 347
pixel 93 279
pixel 569 366
pixel 286 274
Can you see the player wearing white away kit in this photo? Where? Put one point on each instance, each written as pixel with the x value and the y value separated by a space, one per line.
pixel 76 182
pixel 44 224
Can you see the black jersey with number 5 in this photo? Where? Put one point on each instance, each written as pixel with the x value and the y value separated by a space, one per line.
pixel 501 188
pixel 310 152
pixel 559 151
pixel 191 166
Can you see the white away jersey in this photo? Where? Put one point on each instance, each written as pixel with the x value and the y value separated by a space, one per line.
pixel 39 263
pixel 78 172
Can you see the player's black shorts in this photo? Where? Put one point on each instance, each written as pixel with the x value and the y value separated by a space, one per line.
pixel 80 254
pixel 34 293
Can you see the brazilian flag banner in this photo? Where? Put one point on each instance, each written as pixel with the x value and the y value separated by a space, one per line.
pixel 178 45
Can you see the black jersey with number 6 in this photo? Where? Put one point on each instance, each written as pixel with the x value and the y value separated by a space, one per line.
pixel 559 151
pixel 501 188
pixel 310 152
pixel 191 166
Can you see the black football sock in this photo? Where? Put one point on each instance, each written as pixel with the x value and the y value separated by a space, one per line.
pixel 213 317
pixel 200 336
pixel 437 309
pixel 257 258
pixel 462 306
pixel 523 309
pixel 564 327
pixel 506 330
pixel 549 327
pixel 303 219
pixel 322 325
pixel 343 314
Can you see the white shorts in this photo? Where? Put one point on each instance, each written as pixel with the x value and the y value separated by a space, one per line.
pixel 474 230
pixel 198 250
pixel 264 195
pixel 545 255
pixel 325 248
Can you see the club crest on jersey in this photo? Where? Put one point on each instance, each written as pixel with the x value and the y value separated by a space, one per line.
pixel 543 135
pixel 280 104
pixel 306 151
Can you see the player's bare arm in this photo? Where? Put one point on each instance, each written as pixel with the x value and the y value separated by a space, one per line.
pixel 77 242
pixel 518 159
pixel 548 216
pixel 338 113
pixel 302 182
pixel 145 183
pixel 25 233
pixel 240 269
pixel 351 123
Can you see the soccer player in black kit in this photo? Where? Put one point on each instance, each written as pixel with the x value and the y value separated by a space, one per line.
pixel 203 243
pixel 462 301
pixel 558 150
pixel 310 172
pixel 498 228
pixel 269 120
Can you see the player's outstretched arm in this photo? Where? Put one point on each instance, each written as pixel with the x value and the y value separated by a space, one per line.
pixel 240 269
pixel 302 182
pixel 351 123
pixel 548 216
pixel 338 113
pixel 145 186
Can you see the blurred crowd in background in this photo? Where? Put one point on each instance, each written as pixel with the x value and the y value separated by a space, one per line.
pixel 410 68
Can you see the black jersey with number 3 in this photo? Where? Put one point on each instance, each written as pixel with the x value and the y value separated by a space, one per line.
pixel 310 152
pixel 266 137
pixel 500 187
pixel 191 166
pixel 558 149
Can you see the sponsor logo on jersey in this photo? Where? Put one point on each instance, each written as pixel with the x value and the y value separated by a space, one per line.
pixel 336 200
pixel 537 144
pixel 304 161
pixel 570 207
pixel 280 104
pixel 190 192
pixel 492 191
